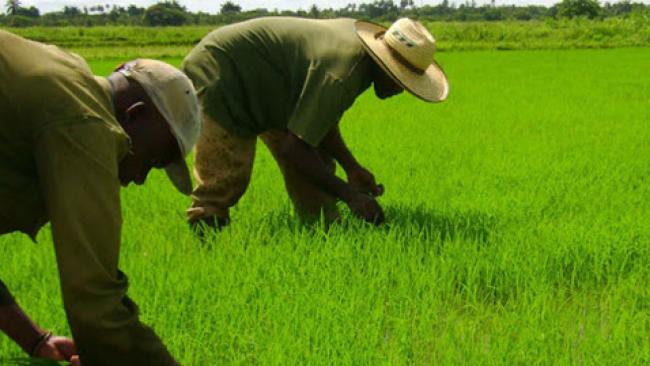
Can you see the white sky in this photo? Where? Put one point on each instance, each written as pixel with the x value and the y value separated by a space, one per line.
pixel 212 6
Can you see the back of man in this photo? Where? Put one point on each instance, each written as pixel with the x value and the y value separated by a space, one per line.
pixel 45 90
pixel 279 73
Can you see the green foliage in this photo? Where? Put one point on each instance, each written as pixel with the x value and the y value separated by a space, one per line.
pixel 230 8
pixel 111 42
pixel 20 21
pixel 517 234
pixel 12 6
pixel 168 13
pixel 379 9
pixel 579 8
pixel 171 13
pixel 71 12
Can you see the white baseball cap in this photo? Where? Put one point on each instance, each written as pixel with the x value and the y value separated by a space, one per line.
pixel 175 98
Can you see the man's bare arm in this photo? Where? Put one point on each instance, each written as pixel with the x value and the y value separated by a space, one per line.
pixel 28 335
pixel 333 143
pixel 15 323
pixel 307 161
pixel 358 177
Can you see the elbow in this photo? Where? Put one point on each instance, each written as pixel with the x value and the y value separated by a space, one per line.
pixel 289 147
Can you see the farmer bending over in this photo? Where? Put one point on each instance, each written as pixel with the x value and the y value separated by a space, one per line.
pixel 289 80
pixel 68 139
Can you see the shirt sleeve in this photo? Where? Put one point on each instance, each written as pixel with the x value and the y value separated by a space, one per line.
pixel 5 296
pixel 319 107
pixel 78 172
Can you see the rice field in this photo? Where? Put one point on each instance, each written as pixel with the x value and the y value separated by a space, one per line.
pixel 518 232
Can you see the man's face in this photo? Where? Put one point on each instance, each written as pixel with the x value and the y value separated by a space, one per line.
pixel 152 143
pixel 385 86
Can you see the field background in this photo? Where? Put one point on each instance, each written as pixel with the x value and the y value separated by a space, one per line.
pixel 517 229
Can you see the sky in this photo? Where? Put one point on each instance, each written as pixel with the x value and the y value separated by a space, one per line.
pixel 212 6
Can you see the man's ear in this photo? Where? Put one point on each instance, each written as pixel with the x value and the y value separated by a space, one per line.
pixel 135 111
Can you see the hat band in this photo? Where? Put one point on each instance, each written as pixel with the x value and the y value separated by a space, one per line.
pixel 403 60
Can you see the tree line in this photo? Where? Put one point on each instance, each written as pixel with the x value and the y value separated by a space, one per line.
pixel 171 13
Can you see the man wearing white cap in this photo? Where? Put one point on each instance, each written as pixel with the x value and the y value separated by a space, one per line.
pixel 289 80
pixel 68 139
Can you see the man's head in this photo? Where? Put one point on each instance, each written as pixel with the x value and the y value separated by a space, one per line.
pixel 158 108
pixel 404 53
pixel 385 85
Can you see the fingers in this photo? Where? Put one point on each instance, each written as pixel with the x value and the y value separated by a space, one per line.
pixel 65 346
pixel 376 214
pixel 195 213
pixel 49 349
pixel 367 208
pixel 378 190
pixel 75 361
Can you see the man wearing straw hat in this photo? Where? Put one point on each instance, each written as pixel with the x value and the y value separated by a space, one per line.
pixel 288 81
pixel 68 139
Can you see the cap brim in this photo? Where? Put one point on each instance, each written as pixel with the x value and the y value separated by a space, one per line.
pixel 180 176
pixel 430 85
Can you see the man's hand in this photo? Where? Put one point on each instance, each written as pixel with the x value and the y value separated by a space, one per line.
pixel 57 349
pixel 366 207
pixel 360 179
pixel 201 222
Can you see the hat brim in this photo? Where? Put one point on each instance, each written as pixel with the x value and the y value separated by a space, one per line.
pixel 430 85
pixel 180 176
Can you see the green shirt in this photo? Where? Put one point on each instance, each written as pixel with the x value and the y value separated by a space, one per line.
pixel 280 73
pixel 60 146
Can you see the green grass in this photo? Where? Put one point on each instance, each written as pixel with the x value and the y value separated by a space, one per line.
pixel 106 42
pixel 517 233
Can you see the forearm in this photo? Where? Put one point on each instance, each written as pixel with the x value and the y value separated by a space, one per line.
pixel 307 161
pixel 5 295
pixel 19 327
pixel 334 145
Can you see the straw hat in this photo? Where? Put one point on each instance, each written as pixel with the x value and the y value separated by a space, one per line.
pixel 175 98
pixel 405 52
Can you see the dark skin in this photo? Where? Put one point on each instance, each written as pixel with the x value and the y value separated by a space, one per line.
pixel 360 190
pixel 385 85
pixel 22 330
pixel 152 146
pixel 152 143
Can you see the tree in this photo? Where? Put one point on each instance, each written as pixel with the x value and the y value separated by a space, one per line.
pixel 13 6
pixel 404 4
pixel 578 8
pixel 379 8
pixel 620 8
pixel 71 11
pixel 135 11
pixel 165 13
pixel 31 12
pixel 230 8
pixel 314 12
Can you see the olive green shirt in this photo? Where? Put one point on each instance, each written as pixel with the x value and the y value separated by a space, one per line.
pixel 280 73
pixel 60 146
